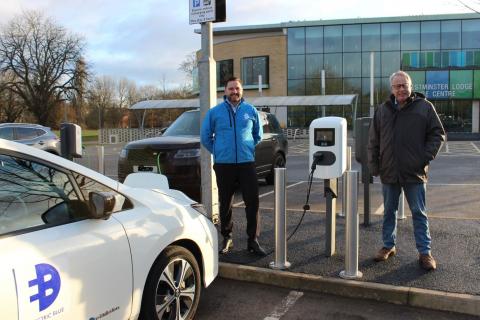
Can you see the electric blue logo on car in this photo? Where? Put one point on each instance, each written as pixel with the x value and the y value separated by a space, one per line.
pixel 48 282
pixel 196 3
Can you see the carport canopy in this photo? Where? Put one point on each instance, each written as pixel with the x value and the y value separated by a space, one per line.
pixel 279 101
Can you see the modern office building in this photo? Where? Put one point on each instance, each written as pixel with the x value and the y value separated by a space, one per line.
pixel 440 52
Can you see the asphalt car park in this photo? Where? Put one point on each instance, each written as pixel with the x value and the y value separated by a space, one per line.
pixel 75 244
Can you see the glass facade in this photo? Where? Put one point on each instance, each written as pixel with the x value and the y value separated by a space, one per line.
pixel 442 56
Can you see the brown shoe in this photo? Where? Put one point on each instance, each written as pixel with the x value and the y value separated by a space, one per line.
pixel 427 262
pixel 385 253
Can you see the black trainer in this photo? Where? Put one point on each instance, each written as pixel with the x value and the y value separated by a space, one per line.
pixel 226 246
pixel 254 247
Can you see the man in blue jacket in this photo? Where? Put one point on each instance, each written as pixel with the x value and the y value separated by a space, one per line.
pixel 230 131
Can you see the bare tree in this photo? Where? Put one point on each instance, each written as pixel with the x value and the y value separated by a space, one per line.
pixel 43 57
pixel 80 84
pixel 188 65
pixel 101 97
pixel 11 109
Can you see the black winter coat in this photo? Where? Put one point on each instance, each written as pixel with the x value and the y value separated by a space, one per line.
pixel 403 142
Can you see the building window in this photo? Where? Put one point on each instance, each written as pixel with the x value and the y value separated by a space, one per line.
pixel 370 37
pixel 390 36
pixel 410 36
pixel 296 40
pixel 224 71
pixel 451 34
pixel 430 35
pixel 252 67
pixel 313 40
pixel 352 38
pixel 471 34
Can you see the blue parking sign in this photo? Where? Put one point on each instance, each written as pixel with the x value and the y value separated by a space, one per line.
pixel 196 3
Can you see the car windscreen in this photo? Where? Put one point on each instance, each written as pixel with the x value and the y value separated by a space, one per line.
pixel 188 124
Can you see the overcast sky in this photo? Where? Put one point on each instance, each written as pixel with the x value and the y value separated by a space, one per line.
pixel 146 40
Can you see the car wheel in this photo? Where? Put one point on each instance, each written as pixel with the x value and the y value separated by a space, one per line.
pixel 278 162
pixel 173 286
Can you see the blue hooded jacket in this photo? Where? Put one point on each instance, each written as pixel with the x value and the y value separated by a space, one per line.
pixel 231 137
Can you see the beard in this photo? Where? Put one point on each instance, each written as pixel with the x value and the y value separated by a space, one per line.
pixel 234 97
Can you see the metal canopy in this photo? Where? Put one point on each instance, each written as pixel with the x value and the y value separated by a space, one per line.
pixel 281 101
pixel 327 100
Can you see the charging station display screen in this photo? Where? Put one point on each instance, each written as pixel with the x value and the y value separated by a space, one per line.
pixel 324 137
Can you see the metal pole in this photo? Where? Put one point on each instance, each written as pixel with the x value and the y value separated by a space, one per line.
pixel 101 159
pixel 323 92
pixel 331 192
pixel 260 85
pixel 366 195
pixel 208 98
pixel 351 228
pixel 372 68
pixel 401 206
pixel 344 190
pixel 280 262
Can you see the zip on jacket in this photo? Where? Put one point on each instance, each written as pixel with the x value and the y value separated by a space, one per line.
pixel 231 140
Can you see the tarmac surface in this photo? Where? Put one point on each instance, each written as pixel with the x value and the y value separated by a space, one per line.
pixel 454 217
pixel 453 201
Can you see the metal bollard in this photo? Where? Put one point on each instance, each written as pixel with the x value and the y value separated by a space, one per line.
pixel 401 206
pixel 351 227
pixel 101 159
pixel 344 191
pixel 280 262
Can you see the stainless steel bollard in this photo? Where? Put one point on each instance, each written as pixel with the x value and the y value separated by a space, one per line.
pixel 101 159
pixel 344 191
pixel 280 262
pixel 351 227
pixel 401 206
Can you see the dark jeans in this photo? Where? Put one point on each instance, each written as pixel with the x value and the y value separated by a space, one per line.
pixel 229 176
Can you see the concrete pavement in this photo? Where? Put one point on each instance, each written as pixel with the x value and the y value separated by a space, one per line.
pixel 454 286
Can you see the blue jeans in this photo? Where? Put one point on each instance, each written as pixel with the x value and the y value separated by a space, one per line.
pixel 415 194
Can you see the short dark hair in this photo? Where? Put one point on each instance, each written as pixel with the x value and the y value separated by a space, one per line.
pixel 232 79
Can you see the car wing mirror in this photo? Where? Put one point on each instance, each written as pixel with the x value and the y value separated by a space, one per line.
pixel 101 204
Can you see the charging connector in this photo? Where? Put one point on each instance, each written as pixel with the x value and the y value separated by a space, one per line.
pixel 317 158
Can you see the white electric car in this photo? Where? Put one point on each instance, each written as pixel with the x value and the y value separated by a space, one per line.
pixel 75 244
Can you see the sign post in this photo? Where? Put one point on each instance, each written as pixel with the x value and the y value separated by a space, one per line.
pixel 204 12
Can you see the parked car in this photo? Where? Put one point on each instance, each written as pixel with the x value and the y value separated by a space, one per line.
pixel 176 153
pixel 75 244
pixel 33 135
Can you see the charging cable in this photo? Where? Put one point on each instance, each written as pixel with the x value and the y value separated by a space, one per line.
pixel 317 157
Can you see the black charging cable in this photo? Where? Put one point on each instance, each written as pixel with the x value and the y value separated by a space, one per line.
pixel 317 157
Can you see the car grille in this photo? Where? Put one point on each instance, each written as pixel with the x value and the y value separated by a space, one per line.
pixel 169 166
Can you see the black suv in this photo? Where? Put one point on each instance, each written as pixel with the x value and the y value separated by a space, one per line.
pixel 176 153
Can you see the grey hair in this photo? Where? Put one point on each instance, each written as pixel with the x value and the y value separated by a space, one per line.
pixel 400 73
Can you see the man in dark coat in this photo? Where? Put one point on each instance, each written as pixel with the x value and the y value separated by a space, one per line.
pixel 405 135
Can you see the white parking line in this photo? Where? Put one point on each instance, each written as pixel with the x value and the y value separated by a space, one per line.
pixel 281 309
pixel 475 147
pixel 268 193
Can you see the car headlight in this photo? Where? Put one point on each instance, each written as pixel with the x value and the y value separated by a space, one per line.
pixel 200 209
pixel 123 153
pixel 187 153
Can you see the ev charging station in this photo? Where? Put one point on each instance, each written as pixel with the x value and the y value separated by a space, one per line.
pixel 328 161
pixel 70 140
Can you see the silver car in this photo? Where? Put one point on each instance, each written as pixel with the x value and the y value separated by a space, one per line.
pixel 33 135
